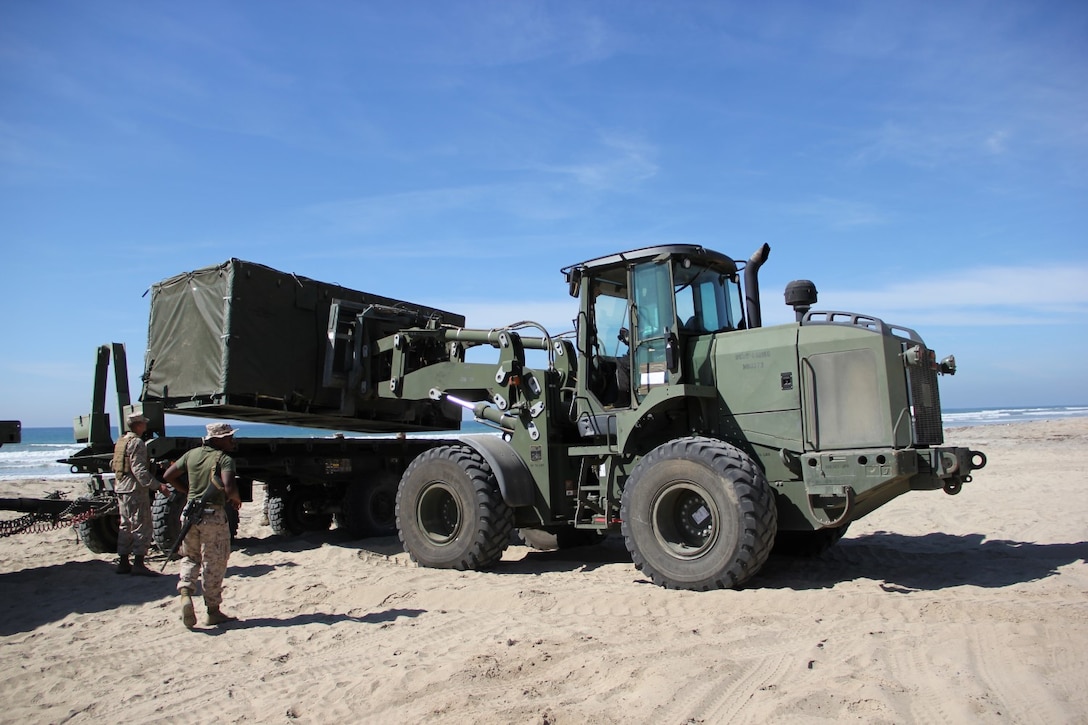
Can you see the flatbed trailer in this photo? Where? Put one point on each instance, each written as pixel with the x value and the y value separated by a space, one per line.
pixel 311 482
pixel 308 483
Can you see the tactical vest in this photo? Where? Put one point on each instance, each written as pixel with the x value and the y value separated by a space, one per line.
pixel 120 465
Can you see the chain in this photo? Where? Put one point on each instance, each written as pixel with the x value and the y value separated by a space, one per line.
pixel 31 524
pixel 76 513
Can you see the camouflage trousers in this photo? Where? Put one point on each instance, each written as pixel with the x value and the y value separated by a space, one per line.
pixel 204 555
pixel 134 530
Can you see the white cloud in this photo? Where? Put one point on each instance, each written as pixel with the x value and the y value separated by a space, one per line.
pixel 838 213
pixel 624 162
pixel 621 163
pixel 373 213
pixel 997 142
pixel 983 296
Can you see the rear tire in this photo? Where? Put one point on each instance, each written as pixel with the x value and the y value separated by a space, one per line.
pixel 450 513
pixel 370 509
pixel 287 514
pixel 698 514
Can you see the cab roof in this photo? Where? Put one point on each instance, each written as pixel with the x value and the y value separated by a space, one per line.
pixel 698 255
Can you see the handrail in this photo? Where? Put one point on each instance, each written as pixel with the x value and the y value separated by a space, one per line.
pixel 856 319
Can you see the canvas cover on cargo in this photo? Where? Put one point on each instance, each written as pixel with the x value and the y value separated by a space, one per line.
pixel 243 341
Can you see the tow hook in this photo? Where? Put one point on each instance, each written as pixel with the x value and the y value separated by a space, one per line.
pixel 844 499
pixel 951 464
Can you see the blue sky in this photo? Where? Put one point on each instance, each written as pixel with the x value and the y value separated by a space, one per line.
pixel 923 162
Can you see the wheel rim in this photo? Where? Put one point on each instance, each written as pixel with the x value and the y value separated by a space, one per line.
pixel 684 520
pixel 438 514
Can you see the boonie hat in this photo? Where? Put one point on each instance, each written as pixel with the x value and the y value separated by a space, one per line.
pixel 136 418
pixel 219 430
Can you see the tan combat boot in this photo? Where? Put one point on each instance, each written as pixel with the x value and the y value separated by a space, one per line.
pixel 188 616
pixel 123 567
pixel 217 617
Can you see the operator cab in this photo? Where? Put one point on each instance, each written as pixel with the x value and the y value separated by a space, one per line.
pixel 638 309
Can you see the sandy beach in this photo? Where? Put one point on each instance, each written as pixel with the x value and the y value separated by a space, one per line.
pixel 936 608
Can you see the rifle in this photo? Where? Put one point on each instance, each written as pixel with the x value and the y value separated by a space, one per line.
pixel 191 514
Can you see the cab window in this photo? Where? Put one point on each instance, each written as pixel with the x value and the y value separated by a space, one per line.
pixel 654 319
pixel 705 300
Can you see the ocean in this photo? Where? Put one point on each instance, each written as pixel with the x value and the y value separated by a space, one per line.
pixel 36 456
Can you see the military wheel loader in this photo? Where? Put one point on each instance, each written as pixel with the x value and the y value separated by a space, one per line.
pixel 670 414
pixel 673 416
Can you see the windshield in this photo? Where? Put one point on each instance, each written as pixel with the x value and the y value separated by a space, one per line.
pixel 706 300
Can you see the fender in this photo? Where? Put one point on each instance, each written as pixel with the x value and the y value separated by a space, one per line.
pixel 515 482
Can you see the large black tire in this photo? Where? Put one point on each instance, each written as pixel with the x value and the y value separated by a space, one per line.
pixel 807 544
pixel 100 534
pixel 370 508
pixel 287 514
pixel 166 520
pixel 566 537
pixel 698 514
pixel 450 513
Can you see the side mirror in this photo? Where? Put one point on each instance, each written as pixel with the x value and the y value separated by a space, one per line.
pixel 672 349
pixel 574 281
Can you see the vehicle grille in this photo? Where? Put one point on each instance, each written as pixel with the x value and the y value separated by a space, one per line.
pixel 925 401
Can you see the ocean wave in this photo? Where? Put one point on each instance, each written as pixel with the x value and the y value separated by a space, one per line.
pixel 1012 415
pixel 36 460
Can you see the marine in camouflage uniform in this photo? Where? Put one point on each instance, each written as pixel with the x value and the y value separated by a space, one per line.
pixel 207 545
pixel 134 484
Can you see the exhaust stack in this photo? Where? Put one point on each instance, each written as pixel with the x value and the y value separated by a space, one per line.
pixel 751 285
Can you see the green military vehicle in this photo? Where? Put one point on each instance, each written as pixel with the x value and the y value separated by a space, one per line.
pixel 674 417
pixel 670 414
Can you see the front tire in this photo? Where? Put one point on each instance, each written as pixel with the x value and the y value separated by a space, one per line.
pixel 698 514
pixel 450 513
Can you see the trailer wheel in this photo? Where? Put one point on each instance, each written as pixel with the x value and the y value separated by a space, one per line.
pixel 450 513
pixel 807 544
pixel 287 513
pixel 698 514
pixel 166 520
pixel 370 509
pixel 100 534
